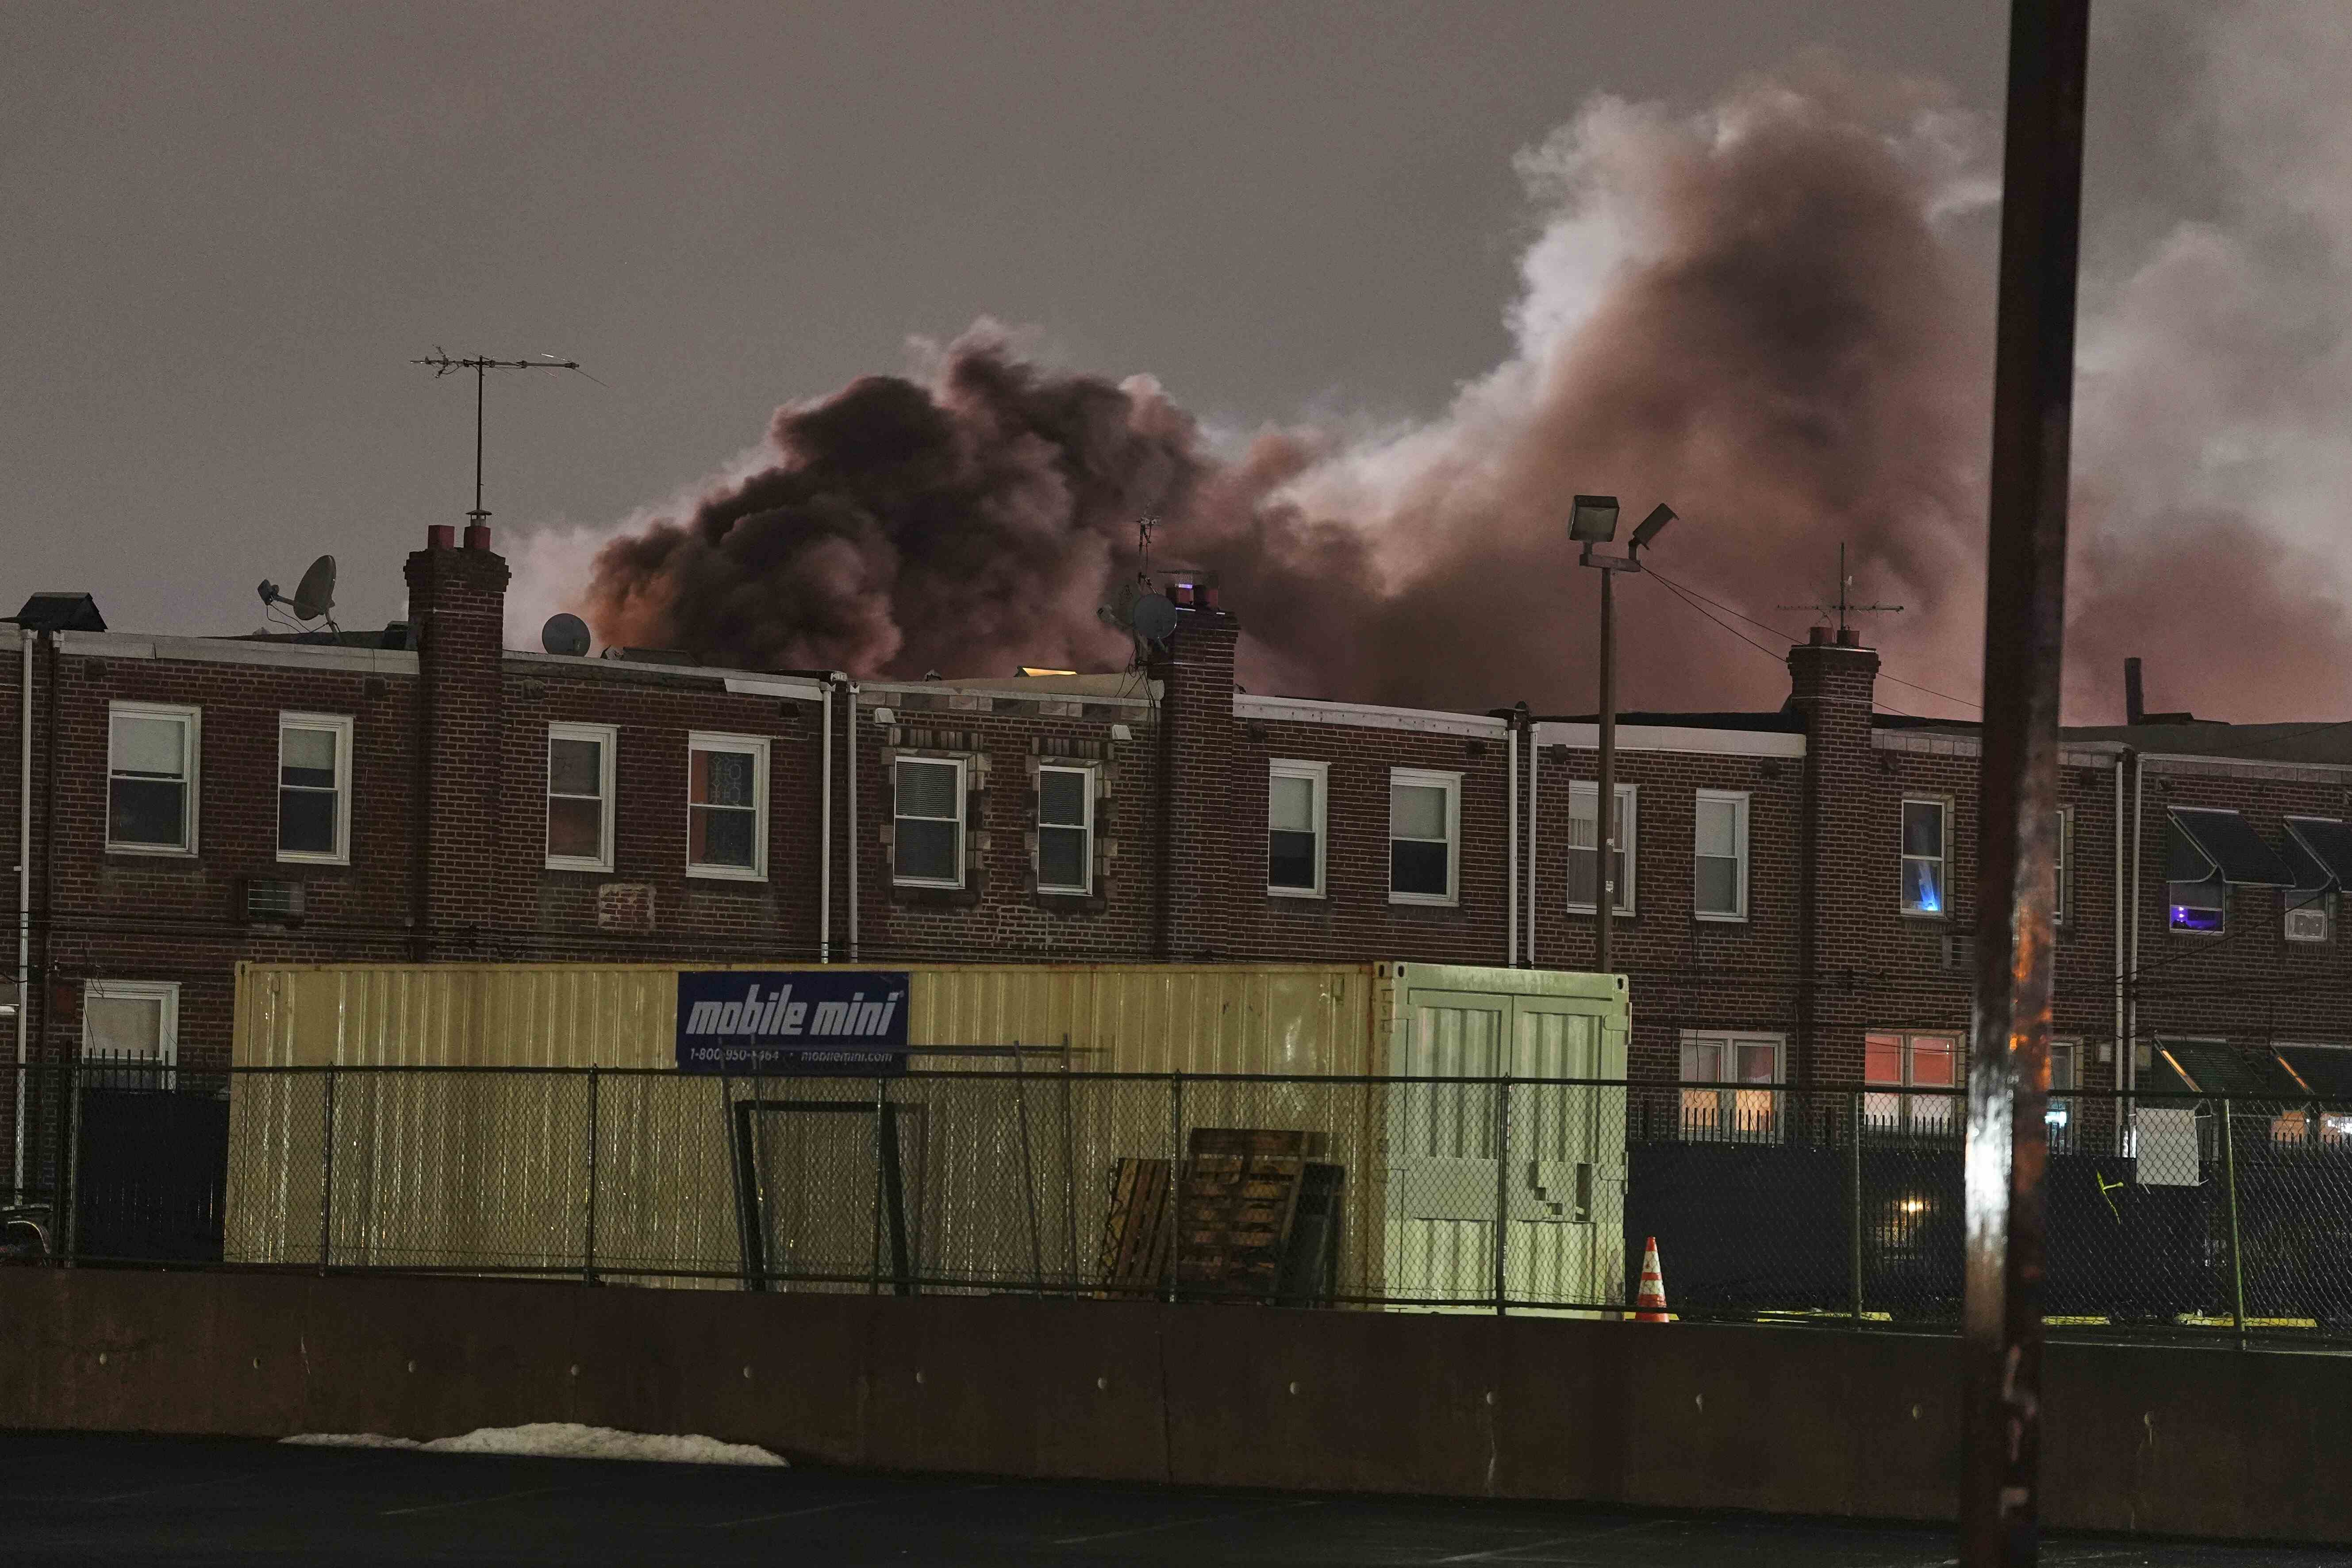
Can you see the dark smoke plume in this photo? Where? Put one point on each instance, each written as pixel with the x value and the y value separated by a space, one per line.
pixel 1774 315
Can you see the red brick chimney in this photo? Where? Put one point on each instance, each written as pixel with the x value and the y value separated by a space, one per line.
pixel 1194 858
pixel 456 603
pixel 1832 682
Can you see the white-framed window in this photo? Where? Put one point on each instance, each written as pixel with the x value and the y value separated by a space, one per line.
pixel 927 826
pixel 1424 836
pixel 314 788
pixel 133 1025
pixel 580 763
pixel 1905 1060
pixel 151 753
pixel 1927 856
pixel 726 806
pixel 1719 856
pixel 2065 1076
pixel 1066 828
pixel 1725 1057
pixel 1583 857
pixel 2063 909
pixel 1296 796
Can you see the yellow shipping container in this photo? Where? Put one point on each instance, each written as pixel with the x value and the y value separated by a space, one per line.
pixel 1005 1165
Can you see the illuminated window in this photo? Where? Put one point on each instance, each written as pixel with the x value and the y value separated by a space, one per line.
pixel 1924 858
pixel 1906 1061
pixel 1722 1059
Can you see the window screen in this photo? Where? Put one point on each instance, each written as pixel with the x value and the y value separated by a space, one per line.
pixel 148 776
pixel 1294 828
pixel 723 806
pixel 1719 835
pixel 576 804
pixel 1421 836
pixel 309 790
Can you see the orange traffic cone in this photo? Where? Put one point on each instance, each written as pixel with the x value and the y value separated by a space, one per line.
pixel 1650 1302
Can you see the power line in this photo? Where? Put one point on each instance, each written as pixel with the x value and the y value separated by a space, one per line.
pixel 1777 632
pixel 1777 659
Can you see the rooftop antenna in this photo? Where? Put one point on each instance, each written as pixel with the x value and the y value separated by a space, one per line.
pixel 1845 606
pixel 481 366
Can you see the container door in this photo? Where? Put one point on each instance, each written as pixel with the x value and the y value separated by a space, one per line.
pixel 1565 1245
pixel 1442 1189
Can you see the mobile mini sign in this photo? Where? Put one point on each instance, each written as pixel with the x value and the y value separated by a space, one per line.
pixel 792 1021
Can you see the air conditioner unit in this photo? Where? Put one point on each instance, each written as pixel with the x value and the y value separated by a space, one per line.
pixel 2306 924
pixel 271 902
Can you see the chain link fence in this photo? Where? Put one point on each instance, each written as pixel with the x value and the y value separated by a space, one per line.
pixel 2166 1214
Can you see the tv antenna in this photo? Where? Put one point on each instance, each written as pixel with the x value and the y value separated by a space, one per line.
pixel 481 366
pixel 1845 606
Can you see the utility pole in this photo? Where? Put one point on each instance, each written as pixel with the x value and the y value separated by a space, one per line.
pixel 1594 522
pixel 2025 603
pixel 442 365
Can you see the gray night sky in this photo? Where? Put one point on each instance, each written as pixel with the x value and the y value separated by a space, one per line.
pixel 228 228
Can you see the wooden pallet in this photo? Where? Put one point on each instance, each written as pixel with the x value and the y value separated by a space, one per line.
pixel 1235 1209
pixel 1137 1232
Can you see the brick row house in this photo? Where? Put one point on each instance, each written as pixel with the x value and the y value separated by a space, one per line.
pixel 1795 888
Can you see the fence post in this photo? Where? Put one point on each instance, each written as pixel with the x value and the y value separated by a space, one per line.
pixel 1853 1183
pixel 1502 1187
pixel 327 1175
pixel 1175 1173
pixel 588 1251
pixel 2237 1257
pixel 69 1172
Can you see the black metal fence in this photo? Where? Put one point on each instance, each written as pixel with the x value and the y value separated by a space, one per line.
pixel 2176 1214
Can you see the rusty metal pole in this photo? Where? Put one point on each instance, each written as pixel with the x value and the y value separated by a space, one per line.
pixel 2009 1066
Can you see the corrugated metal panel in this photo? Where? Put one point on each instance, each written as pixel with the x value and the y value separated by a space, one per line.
pixel 1254 1018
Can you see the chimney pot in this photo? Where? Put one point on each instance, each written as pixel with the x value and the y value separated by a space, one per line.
pixel 1821 636
pixel 441 536
pixel 477 536
pixel 1849 636
pixel 2135 698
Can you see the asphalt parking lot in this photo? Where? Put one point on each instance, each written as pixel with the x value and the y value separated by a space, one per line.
pixel 83 1499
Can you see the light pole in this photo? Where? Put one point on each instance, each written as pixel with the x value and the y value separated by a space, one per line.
pixel 1593 520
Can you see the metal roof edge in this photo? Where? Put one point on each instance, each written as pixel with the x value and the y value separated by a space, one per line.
pixel 1366 716
pixel 225 650
pixel 1673 738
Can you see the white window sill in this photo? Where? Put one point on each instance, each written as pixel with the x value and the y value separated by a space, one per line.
pixel 1738 919
pixel 1065 892
pixel 568 863
pixel 1273 893
pixel 1622 912
pixel 931 882
pixel 726 873
pixel 163 851
pixel 285 858
pixel 1426 900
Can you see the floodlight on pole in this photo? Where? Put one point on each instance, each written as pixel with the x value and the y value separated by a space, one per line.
pixel 1592 520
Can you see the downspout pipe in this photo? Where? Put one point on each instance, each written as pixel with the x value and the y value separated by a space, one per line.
pixel 824 823
pixel 1511 834
pixel 853 822
pixel 24 637
pixel 1532 804
pixel 2131 974
pixel 2116 883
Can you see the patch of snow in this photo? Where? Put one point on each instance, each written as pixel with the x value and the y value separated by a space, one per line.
pixel 559 1440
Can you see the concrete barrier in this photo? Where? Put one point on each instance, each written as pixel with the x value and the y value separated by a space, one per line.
pixel 2154 1439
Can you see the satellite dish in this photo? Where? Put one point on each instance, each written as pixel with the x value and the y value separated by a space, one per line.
pixel 315 594
pixel 1153 617
pixel 564 634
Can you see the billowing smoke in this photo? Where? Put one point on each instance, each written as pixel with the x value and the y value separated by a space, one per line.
pixel 1774 314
